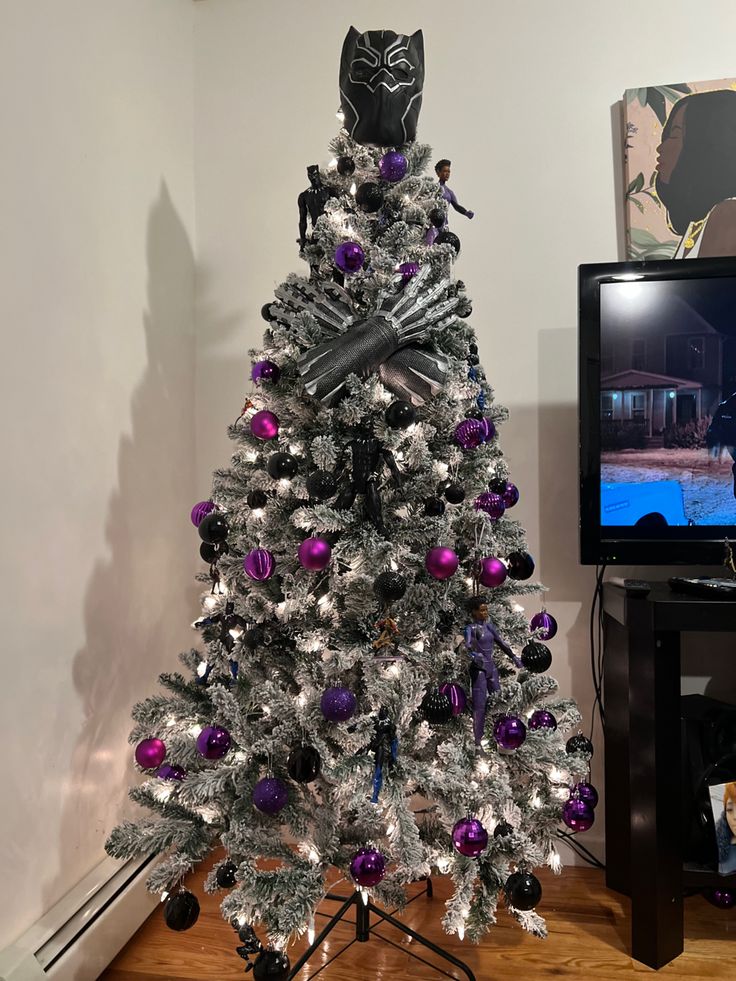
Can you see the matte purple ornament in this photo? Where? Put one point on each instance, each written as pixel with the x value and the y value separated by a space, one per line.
pixel 470 433
pixel 150 753
pixel 511 495
pixel 270 795
pixel 544 622
pixel 368 867
pixel 469 837
pixel 509 732
pixel 441 562
pixel 349 257
pixel 167 772
pixel 542 719
pixel 263 371
pixel 264 425
pixel 338 704
pixel 586 792
pixel 493 572
pixel 408 271
pixel 200 511
pixel 314 554
pixel 491 503
pixel 392 166
pixel 213 742
pixel 259 564
pixel 457 695
pixel 720 898
pixel 578 815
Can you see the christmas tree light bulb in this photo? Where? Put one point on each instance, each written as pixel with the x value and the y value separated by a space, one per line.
pixel 340 116
pixel 266 709
pixel 257 513
pixel 209 603
pixel 536 801
pixel 164 896
pixel 461 932
pixel 483 768
pixel 171 721
pixel 364 896
pixel 236 632
pixel 394 566
pixel 517 608
pixel 443 865
pixel 241 920
pixel 353 188
pixel 332 165
pixel 554 861
pixel 310 930
pixel 251 456
pixel 195 730
pixel 313 855
pixel 202 669
pixel 559 776
pixel 390 829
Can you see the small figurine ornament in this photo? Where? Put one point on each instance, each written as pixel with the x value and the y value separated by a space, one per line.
pixel 480 636
pixel 385 746
pixel 231 625
pixel 312 202
pixel 388 632
pixel 368 457
pixel 442 169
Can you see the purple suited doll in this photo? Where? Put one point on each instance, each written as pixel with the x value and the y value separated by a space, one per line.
pixel 442 169
pixel 480 636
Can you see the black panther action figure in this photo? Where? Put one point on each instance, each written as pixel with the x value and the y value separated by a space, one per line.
pixel 385 746
pixel 368 456
pixel 312 202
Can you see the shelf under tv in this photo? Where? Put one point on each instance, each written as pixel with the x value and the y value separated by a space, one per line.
pixel 696 876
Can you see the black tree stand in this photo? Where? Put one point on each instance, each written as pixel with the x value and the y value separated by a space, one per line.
pixel 363 931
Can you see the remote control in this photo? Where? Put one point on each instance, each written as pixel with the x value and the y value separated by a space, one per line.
pixel 633 587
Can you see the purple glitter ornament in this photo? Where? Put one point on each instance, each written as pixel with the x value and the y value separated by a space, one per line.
pixel 491 503
pixel 408 271
pixel 213 742
pixel 469 837
pixel 542 719
pixel 720 898
pixel 457 695
pixel 586 792
pixel 493 572
pixel 259 564
pixel 509 732
pixel 470 433
pixel 200 511
pixel 368 867
pixel 545 623
pixel 167 772
pixel 338 704
pixel 511 495
pixel 314 554
pixel 578 815
pixel 392 166
pixel 270 795
pixel 441 562
pixel 263 371
pixel 264 425
pixel 349 257
pixel 150 753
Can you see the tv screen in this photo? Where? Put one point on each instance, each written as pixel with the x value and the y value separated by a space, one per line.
pixel 658 411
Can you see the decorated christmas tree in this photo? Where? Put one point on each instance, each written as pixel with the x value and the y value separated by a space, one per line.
pixel 368 694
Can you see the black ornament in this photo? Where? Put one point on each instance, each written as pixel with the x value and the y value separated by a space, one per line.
pixel 474 414
pixel 256 499
pixel 448 238
pixel 213 528
pixel 434 507
pixel 181 911
pixel 345 166
pixel 271 965
pixel 473 347
pixel 253 637
pixel 520 565
pixel 523 890
pixel 225 875
pixel 211 552
pixel 437 217
pixel 389 586
pixel 400 415
pixel 281 465
pixel 304 764
pixel 369 197
pixel 465 311
pixel 473 360
pixel 502 829
pixel 536 657
pixel 579 744
pixel 436 707
pixel 497 485
pixel 266 312
pixel 321 484
pixel 455 493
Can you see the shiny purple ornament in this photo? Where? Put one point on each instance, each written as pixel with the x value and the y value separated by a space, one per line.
pixel 511 495
pixel 542 719
pixel 392 166
pixel 338 704
pixel 167 772
pixel 457 695
pixel 492 572
pixel 544 622
pixel 586 792
pixel 259 564
pixel 349 257
pixel 368 867
pixel 408 271
pixel 270 795
pixel 578 815
pixel 509 732
pixel 470 433
pixel 469 837
pixel 441 562
pixel 263 371
pixel 264 425
pixel 720 898
pixel 213 742
pixel 200 511
pixel 150 753
pixel 491 503
pixel 314 554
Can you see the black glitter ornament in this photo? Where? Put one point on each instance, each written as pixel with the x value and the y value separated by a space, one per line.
pixel 389 586
pixel 497 485
pixel 271 965
pixel 436 707
pixel 256 499
pixel 579 744
pixel 502 829
pixel 536 657
pixel 321 484
pixel 400 415
pixel 474 414
pixel 182 910
pixel 466 310
pixel 211 552
pixel 434 507
pixel 437 217
pixel 225 875
pixel 304 764
pixel 448 238
pixel 369 197
pixel 213 528
pixel 345 166
pixel 281 465
pixel 455 493
pixel 523 890
pixel 520 565
pixel 266 312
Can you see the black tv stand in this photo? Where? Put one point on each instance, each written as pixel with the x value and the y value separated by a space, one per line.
pixel 706 586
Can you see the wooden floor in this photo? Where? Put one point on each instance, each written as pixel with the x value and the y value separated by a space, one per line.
pixel 588 927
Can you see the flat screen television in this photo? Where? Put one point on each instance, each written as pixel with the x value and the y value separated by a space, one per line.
pixel 657 411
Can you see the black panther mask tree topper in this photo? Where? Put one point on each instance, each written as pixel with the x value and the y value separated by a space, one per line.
pixel 381 85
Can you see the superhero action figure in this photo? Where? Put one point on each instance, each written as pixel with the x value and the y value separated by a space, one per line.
pixel 385 746
pixel 312 202
pixel 368 456
pixel 480 636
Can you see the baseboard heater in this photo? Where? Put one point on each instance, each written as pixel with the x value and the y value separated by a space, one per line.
pixel 82 933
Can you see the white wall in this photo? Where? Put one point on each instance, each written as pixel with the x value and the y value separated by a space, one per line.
pixel 96 304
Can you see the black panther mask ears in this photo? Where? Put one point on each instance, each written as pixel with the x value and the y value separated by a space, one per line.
pixel 381 84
